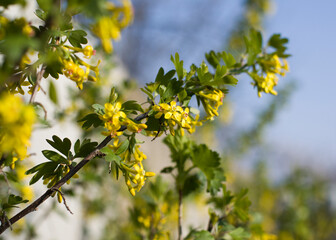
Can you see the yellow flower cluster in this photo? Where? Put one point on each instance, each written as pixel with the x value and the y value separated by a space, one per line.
pixel 16 121
pixel 114 118
pixel 211 100
pixel 134 172
pixel 77 74
pixel 73 70
pixel 176 116
pixel 271 69
pixel 109 27
pixel 149 218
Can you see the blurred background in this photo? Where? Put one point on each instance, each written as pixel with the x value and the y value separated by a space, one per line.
pixel 282 148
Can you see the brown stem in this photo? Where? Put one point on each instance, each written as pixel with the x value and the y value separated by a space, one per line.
pixel 64 201
pixel 33 206
pixel 180 214
pixel 37 84
pixel 43 108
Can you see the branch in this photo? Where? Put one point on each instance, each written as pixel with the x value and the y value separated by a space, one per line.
pixel 64 201
pixel 43 108
pixel 37 84
pixel 33 206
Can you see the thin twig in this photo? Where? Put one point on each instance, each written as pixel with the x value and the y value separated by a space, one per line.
pixel 43 108
pixel 37 84
pixel 64 201
pixel 6 179
pixel 33 206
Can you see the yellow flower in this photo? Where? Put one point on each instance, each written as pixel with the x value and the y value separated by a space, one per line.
pixel 27 193
pixel 109 27
pixel 175 115
pixel 265 84
pixel 113 119
pixel 193 124
pixel 16 121
pixel 268 79
pixel 134 127
pixel 174 112
pixel 162 108
pixel 135 174
pixel 88 51
pixel 211 100
pixel 77 74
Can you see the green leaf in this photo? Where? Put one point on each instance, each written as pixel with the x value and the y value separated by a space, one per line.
pixel 192 183
pixel 203 74
pixel 132 106
pixel 65 23
pixel 242 205
pixel 77 37
pixel 178 66
pixel 278 43
pixel 159 75
pixel 14 200
pixel 36 168
pixel 54 156
pixel 110 156
pixel 46 169
pixel 123 147
pixel 192 72
pixel 230 80
pixel 163 79
pixel 182 96
pixel 180 148
pixel 62 146
pixel 153 124
pixel 172 89
pixel 237 234
pixel 212 58
pixel 54 66
pixel 149 92
pixel 41 14
pixel 208 162
pixel 113 95
pixel 85 149
pixel 253 45
pixel 228 59
pixel 53 93
pixel 99 109
pixel 77 146
pixel 91 119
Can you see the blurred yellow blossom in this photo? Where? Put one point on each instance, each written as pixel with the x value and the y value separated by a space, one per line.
pixel 108 28
pixel 16 120
pixel 211 100
pixel 268 79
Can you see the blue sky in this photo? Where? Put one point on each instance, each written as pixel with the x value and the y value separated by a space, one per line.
pixel 308 124
pixel 306 129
